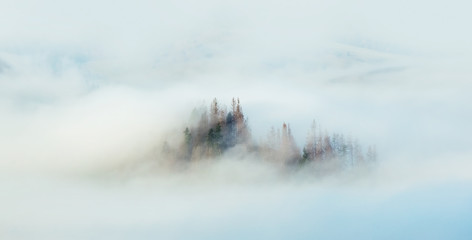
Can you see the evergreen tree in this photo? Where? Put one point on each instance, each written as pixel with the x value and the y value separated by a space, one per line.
pixel 216 130
pixel 371 154
pixel 309 149
pixel 188 143
pixel 214 112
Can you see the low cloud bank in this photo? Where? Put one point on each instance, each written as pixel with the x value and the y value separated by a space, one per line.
pixel 236 198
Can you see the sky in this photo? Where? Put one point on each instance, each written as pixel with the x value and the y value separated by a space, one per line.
pixel 88 87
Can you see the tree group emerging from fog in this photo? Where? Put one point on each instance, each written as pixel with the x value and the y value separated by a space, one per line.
pixel 213 131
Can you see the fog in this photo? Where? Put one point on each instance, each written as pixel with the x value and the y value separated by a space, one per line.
pixel 90 91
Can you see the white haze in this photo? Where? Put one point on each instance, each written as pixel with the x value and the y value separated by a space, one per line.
pixel 89 90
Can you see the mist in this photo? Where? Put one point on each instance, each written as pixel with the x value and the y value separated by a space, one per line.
pixel 90 92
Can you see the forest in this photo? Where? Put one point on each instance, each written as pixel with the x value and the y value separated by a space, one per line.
pixel 214 130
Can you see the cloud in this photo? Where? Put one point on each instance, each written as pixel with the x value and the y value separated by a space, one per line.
pixel 233 199
pixel 89 90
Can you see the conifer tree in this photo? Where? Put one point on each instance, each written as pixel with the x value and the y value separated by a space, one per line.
pixel 216 130
pixel 309 148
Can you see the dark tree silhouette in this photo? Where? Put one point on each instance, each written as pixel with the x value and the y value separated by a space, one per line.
pixel 212 131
